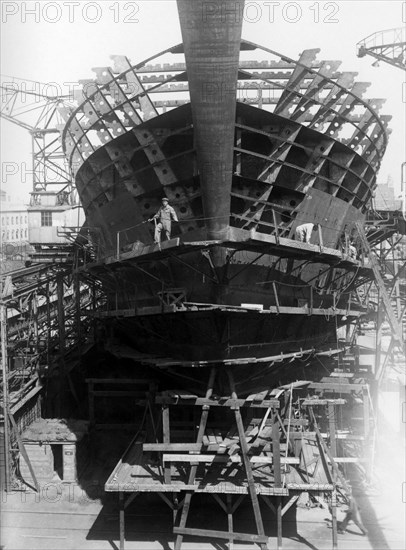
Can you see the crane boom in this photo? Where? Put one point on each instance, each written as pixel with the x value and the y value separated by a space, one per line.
pixel 30 105
pixel 388 46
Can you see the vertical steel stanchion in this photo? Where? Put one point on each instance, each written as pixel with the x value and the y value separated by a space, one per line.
pixel 4 370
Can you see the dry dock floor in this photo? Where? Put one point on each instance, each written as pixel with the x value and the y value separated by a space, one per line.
pixel 67 517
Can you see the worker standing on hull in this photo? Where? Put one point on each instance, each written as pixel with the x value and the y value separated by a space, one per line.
pixel 163 220
pixel 303 232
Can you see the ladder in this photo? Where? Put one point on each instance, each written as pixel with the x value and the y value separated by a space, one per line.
pixel 395 324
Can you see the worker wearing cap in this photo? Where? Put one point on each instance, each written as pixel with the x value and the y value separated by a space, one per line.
pixel 163 220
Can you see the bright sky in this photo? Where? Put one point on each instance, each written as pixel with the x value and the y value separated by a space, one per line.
pixel 61 41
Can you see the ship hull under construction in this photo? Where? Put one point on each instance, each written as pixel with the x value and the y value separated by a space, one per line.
pixel 235 282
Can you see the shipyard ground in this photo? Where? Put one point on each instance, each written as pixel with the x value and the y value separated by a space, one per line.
pixel 75 522
pixel 83 517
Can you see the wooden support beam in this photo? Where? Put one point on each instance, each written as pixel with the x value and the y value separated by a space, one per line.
pixel 334 517
pixel 167 447
pixel 366 405
pixel 202 401
pixel 166 500
pixel 244 537
pixel 290 503
pixel 130 499
pixel 348 459
pixel 177 505
pixel 309 486
pixel 275 292
pixel 220 502
pixel 23 451
pixel 323 445
pixel 311 302
pixel 332 428
pixel 230 524
pixel 247 464
pixel 311 402
pixel 320 238
pixel 118 393
pixel 126 381
pixel 277 476
pixel 193 469
pixel 121 519
pixel 279 522
pixel 276 451
pixel 336 387
pixel 236 459
pixel 90 395
pixel 166 438
pixel 237 503
pixel 269 503
pixel 275 222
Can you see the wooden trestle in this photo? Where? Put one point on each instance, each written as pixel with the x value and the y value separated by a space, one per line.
pixel 273 446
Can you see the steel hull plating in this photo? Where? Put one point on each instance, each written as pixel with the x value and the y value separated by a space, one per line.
pixel 233 283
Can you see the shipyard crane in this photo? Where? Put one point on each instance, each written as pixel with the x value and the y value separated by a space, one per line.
pixel 388 46
pixel 41 109
pixel 29 105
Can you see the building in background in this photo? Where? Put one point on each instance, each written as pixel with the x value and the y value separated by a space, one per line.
pixel 14 235
pixel 14 220
pixel 385 198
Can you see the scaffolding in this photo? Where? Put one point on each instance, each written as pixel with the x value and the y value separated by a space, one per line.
pixel 45 328
pixel 41 109
pixel 271 447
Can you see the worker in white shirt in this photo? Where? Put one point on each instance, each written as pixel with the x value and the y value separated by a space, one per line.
pixel 303 232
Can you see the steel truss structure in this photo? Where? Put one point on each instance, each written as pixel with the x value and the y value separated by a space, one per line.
pixel 45 327
pixel 28 104
pixel 388 46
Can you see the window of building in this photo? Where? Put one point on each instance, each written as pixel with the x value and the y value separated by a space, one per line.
pixel 46 219
pixel 12 235
pixel 25 219
pixel 12 220
pixel 16 233
pixel 7 220
pixel 26 233
pixel 21 219
pixel 8 235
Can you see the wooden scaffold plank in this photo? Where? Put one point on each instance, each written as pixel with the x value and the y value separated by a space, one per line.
pixel 181 529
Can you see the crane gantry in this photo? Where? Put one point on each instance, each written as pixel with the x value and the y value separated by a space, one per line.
pixel 42 110
pixel 388 46
pixel 27 104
